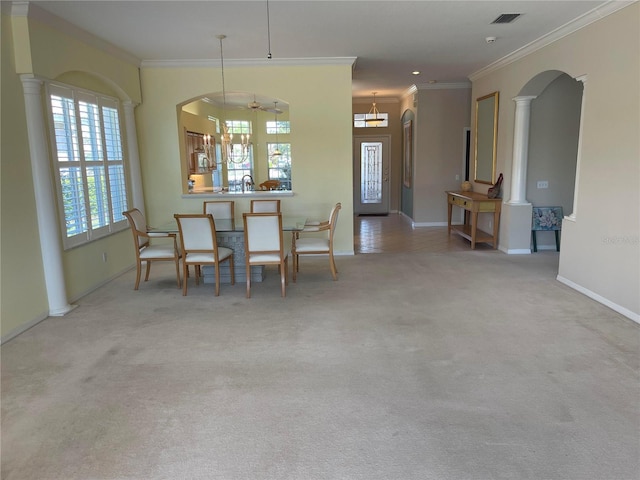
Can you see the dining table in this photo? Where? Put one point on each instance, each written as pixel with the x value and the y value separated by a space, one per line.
pixel 230 234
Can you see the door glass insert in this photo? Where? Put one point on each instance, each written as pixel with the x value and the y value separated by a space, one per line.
pixel 371 172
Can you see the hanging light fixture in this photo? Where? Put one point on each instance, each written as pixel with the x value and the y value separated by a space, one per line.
pixel 210 151
pixel 268 32
pixel 226 137
pixel 373 117
pixel 277 152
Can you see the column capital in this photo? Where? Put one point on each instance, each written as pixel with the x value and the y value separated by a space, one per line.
pixel 524 98
pixel 31 84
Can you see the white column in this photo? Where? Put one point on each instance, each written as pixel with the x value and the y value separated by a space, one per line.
pixel 133 156
pixel 574 214
pixel 520 150
pixel 47 216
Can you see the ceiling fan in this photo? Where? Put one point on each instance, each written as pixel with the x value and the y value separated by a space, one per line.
pixel 254 106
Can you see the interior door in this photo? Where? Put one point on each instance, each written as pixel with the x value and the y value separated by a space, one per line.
pixel 371 174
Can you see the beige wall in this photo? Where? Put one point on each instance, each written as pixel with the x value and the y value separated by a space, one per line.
pixel 442 115
pixel 600 254
pixel 23 298
pixel 319 100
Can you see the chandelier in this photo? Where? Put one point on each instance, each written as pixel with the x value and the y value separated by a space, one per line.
pixel 210 151
pixel 227 145
pixel 373 117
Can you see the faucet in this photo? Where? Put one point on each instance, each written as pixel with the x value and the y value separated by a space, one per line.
pixel 250 184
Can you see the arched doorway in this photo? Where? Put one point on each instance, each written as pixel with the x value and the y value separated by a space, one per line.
pixel 545 156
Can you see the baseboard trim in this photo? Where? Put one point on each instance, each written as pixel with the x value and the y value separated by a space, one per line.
pixel 600 299
pixel 517 251
pixel 428 224
pixel 24 327
pixel 43 316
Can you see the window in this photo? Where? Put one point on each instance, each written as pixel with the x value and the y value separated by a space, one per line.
pixel 240 162
pixel 278 127
pixel 359 120
pixel 88 162
pixel 280 165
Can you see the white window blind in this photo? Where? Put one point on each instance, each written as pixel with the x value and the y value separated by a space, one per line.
pixel 89 163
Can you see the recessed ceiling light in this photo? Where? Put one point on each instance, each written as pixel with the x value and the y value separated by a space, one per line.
pixel 415 72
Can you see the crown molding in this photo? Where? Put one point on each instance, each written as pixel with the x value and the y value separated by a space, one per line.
pixel 443 86
pixel 250 62
pixel 588 18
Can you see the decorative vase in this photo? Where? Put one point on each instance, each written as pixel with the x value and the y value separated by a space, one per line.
pixel 466 187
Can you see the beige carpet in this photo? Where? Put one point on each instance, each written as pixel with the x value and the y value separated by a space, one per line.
pixel 469 365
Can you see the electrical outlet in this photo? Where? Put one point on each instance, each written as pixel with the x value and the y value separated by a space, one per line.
pixel 457 177
pixel 104 257
pixel 543 184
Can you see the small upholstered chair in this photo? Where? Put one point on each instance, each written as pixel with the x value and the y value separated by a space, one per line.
pixel 220 209
pixel 145 251
pixel 313 245
pixel 263 245
pixel 265 206
pixel 200 246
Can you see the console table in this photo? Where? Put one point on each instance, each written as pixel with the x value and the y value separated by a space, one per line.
pixel 475 203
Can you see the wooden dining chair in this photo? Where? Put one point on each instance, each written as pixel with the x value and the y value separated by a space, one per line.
pixel 265 206
pixel 148 253
pixel 220 209
pixel 263 245
pixel 314 245
pixel 200 247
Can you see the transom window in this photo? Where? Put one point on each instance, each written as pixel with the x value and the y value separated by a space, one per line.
pixel 278 127
pixel 359 120
pixel 89 163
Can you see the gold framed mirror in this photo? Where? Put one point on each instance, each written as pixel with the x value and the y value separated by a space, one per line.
pixel 486 138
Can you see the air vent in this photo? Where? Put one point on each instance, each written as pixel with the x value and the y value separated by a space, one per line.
pixel 506 18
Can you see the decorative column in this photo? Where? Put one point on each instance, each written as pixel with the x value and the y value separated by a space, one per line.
pixel 520 150
pixel 47 216
pixel 134 157
pixel 574 214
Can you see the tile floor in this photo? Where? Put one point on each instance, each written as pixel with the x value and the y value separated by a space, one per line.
pixel 393 233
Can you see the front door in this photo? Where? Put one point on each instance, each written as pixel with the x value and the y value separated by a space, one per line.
pixel 371 174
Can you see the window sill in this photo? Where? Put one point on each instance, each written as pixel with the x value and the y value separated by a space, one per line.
pixel 204 193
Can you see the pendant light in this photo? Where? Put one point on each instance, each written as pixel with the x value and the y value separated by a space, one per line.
pixel 226 137
pixel 373 118
pixel 277 152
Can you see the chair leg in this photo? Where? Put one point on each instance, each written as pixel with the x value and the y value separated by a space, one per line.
pixel 146 277
pixel 283 274
pixel 138 273
pixel 332 265
pixel 185 269
pixel 232 270
pixel 178 271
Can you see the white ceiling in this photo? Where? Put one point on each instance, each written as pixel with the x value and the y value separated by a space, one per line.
pixel 445 40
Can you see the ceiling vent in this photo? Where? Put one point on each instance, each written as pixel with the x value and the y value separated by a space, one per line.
pixel 506 18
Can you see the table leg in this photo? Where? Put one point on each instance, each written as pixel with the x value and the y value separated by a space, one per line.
pixel 449 219
pixel 474 224
pixel 496 228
